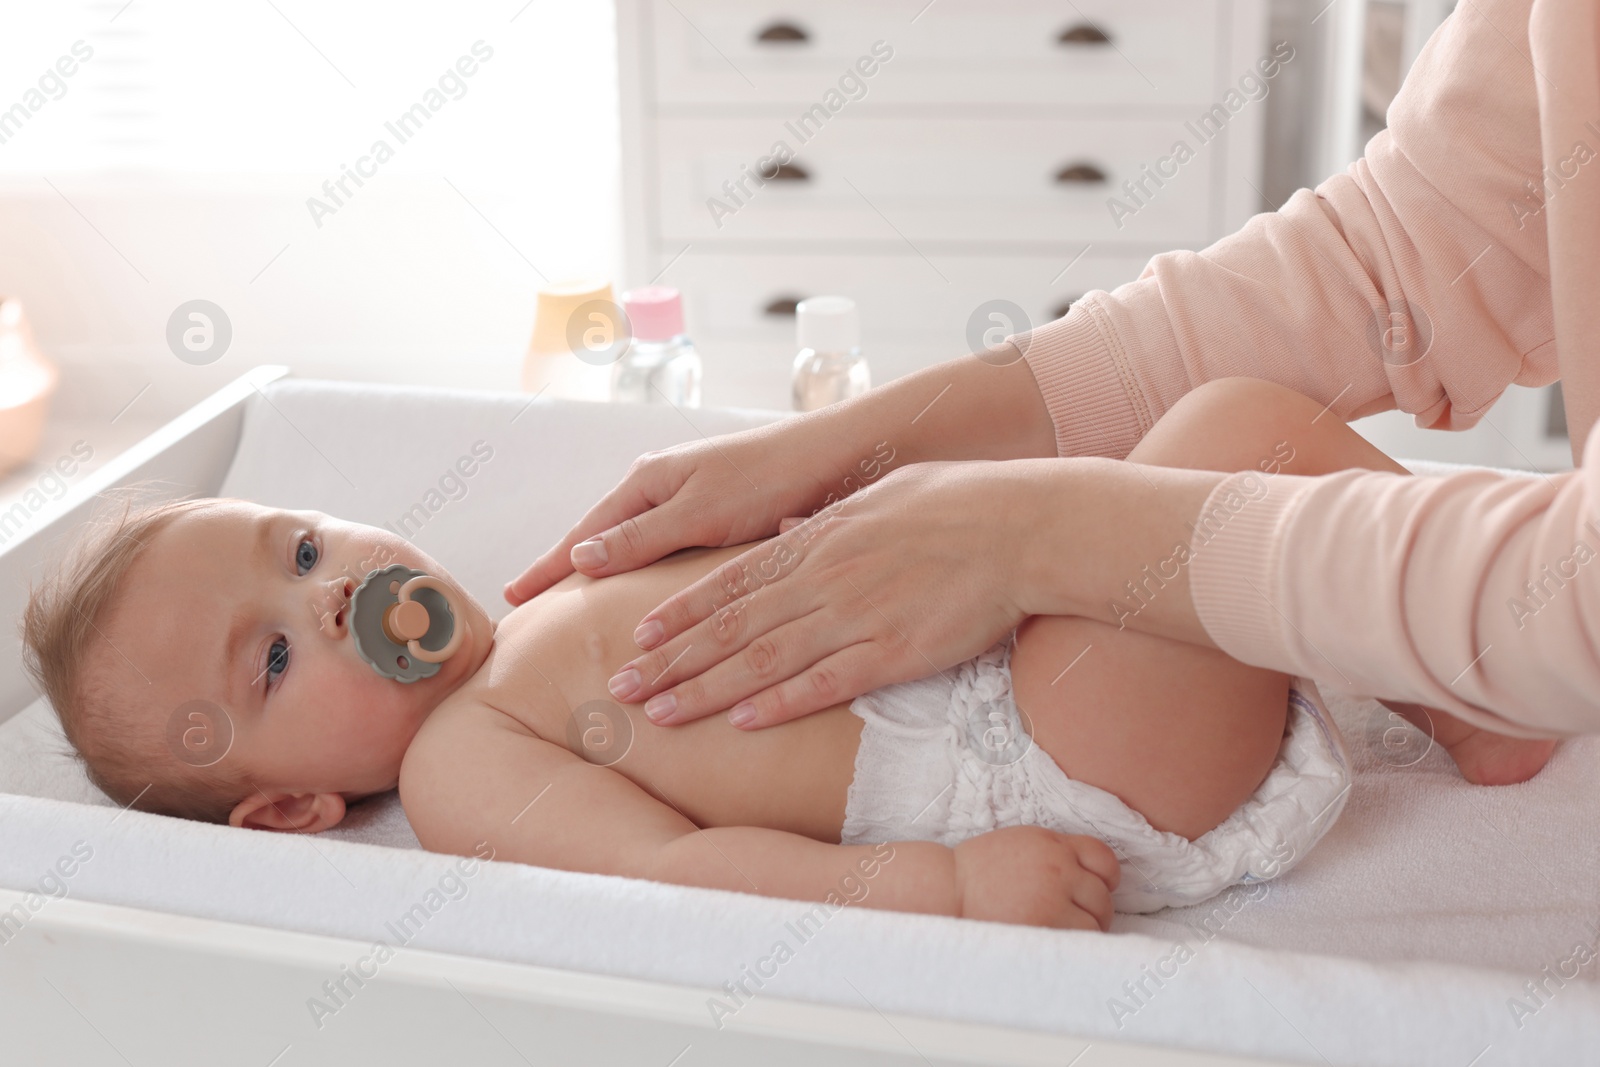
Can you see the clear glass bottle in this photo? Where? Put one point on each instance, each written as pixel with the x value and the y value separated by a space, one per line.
pixel 830 366
pixel 660 365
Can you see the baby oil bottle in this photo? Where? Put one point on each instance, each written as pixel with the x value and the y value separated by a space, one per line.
pixel 830 366
pixel 659 365
pixel 27 382
pixel 575 327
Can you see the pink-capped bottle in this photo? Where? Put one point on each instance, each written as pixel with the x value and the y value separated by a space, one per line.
pixel 660 365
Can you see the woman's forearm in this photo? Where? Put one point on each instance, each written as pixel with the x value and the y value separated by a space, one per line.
pixel 962 408
pixel 1118 545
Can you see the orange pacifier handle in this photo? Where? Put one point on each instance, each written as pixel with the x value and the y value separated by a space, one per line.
pixel 407 621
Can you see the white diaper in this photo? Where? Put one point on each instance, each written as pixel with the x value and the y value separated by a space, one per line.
pixel 947 757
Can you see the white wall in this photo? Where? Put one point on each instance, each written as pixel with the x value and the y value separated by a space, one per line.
pixel 179 161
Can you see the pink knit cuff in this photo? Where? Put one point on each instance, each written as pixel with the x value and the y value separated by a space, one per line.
pixel 1233 577
pixel 1075 361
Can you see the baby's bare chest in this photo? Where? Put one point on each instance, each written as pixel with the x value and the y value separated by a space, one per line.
pixel 549 670
pixel 555 654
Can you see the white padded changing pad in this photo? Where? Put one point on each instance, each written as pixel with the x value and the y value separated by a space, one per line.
pixel 1404 938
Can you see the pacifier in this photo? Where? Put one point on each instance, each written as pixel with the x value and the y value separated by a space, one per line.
pixel 404 624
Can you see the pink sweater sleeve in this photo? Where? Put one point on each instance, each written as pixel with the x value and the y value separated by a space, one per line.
pixel 1476 216
pixel 1417 279
pixel 1476 593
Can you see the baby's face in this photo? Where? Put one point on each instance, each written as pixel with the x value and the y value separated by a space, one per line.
pixel 249 608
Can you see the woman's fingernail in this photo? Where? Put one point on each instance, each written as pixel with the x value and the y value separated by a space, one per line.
pixel 742 714
pixel 647 634
pixel 624 684
pixel 660 706
pixel 590 553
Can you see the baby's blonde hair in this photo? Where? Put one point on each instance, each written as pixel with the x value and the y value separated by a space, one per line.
pixel 123 751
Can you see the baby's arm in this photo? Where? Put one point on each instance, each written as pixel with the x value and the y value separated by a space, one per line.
pixel 481 776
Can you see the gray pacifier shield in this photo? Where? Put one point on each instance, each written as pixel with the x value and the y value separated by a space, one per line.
pixel 372 598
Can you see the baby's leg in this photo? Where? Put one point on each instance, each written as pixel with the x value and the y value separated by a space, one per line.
pixel 1182 734
pixel 1273 419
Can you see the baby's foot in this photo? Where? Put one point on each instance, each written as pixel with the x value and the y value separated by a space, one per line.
pixel 1494 759
pixel 1483 758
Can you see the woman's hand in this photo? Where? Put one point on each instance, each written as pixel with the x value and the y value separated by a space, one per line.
pixel 908 576
pixel 1027 874
pixel 735 488
pixel 719 491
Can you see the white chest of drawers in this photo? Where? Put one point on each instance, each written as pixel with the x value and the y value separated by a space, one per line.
pixel 926 159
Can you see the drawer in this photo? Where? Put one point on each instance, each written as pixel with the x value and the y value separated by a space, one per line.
pixel 1088 53
pixel 892 180
pixel 739 299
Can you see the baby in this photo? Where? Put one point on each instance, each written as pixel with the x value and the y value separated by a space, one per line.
pixel 202 661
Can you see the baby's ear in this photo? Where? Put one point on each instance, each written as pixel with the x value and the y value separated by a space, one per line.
pixel 304 813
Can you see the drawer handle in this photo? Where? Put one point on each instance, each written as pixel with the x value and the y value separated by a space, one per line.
pixel 783 33
pixel 787 172
pixel 782 307
pixel 1062 309
pixel 1083 33
pixel 1080 174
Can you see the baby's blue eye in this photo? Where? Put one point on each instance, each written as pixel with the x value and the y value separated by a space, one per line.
pixel 305 555
pixel 277 659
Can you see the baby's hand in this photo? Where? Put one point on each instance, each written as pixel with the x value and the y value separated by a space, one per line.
pixel 1030 875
